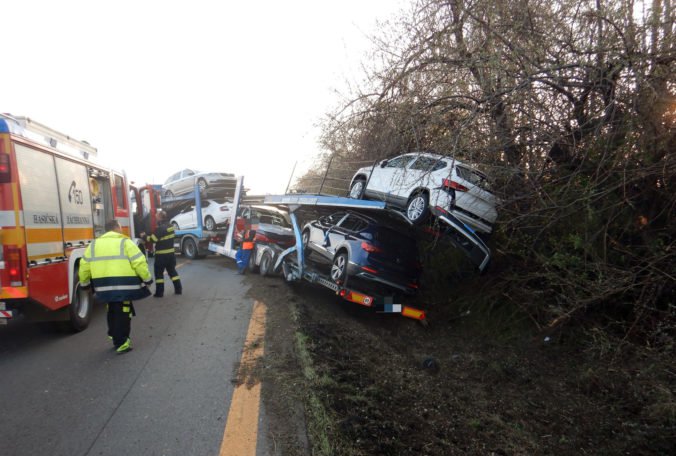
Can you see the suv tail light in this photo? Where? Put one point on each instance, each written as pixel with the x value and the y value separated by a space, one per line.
pixel 454 185
pixel 370 248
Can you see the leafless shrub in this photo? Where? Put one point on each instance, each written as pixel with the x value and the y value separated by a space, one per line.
pixel 571 107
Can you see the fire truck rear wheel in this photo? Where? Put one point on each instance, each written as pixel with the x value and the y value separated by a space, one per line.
pixel 80 309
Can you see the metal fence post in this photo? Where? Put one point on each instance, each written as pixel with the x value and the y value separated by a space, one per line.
pixel 328 167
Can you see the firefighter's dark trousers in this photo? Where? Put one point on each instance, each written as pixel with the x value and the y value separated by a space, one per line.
pixel 119 321
pixel 166 261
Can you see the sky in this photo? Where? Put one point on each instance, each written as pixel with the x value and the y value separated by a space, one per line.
pixel 158 86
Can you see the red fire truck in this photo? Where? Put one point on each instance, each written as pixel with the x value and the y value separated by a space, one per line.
pixel 54 200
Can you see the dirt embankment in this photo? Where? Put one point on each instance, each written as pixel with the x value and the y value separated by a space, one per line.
pixel 340 379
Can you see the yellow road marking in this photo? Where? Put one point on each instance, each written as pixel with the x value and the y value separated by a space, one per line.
pixel 241 429
pixel 182 264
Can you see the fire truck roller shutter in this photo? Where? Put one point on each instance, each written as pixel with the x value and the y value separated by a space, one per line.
pixel 40 200
pixel 76 208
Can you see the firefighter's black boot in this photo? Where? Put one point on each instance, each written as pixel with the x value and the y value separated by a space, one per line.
pixel 178 288
pixel 159 289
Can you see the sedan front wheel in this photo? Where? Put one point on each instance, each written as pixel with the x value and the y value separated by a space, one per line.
pixel 209 223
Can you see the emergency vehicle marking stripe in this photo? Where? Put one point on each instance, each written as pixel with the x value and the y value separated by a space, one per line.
pixel 43 250
pixel 42 256
pixel 37 235
pixel 13 292
pixel 13 236
pixel 8 218
pixel 77 234
pixel 18 212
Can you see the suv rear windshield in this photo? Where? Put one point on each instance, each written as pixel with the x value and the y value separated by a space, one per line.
pixel 475 177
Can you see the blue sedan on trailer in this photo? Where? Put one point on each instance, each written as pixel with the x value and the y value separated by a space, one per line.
pixel 359 246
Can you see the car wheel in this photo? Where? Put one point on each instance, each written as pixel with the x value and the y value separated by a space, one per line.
pixel 209 223
pixel 202 185
pixel 417 207
pixel 80 309
pixel 357 189
pixel 189 248
pixel 265 267
pixel 175 225
pixel 339 268
pixel 168 194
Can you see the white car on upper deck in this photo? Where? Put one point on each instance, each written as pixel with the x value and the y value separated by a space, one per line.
pixel 417 181
pixel 214 214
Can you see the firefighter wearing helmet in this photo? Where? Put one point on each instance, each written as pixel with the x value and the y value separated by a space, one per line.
pixel 163 238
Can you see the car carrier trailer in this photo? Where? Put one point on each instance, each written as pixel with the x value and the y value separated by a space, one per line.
pixel 191 243
pixel 291 262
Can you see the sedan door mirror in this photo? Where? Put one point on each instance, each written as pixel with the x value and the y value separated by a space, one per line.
pixel 383 163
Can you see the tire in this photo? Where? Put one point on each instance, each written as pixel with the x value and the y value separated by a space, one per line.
pixel 339 268
pixel 189 248
pixel 202 186
pixel 175 225
pixel 209 223
pixel 252 262
pixel 265 268
pixel 305 240
pixel 80 308
pixel 417 207
pixel 357 189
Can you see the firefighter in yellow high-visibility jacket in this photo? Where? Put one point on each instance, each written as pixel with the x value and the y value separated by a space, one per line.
pixel 118 273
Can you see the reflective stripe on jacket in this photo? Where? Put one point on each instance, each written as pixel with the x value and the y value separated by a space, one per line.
pixel 163 238
pixel 116 268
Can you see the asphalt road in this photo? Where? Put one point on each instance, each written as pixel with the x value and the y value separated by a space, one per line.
pixel 71 394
